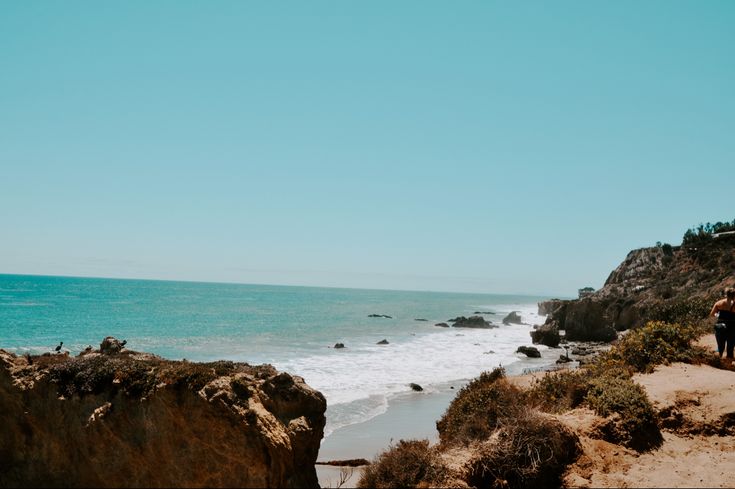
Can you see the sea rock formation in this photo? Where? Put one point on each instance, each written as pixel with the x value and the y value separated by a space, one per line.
pixel 472 322
pixel 512 318
pixel 130 419
pixel 529 351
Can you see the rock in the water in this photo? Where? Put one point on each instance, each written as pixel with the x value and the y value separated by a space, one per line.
pixel 380 316
pixel 382 342
pixel 416 387
pixel 442 325
pixel 339 345
pixel 529 351
pixel 547 334
pixel 420 319
pixel 483 312
pixel 472 322
pixel 563 359
pixel 512 318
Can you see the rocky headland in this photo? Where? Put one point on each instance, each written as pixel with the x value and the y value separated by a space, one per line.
pixel 649 284
pixel 113 417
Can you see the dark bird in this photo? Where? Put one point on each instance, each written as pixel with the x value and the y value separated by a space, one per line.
pixel 58 348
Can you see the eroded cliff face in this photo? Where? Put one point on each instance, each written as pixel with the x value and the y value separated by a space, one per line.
pixel 648 278
pixel 129 419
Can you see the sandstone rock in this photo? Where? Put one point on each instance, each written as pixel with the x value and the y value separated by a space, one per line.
pixel 136 420
pixel 111 345
pixel 529 351
pixel 512 318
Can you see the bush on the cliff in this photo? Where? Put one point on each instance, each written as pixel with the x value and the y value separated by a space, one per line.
pixel 408 464
pixel 633 419
pixel 561 391
pixel 478 408
pixel 93 375
pixel 531 450
pixel 656 343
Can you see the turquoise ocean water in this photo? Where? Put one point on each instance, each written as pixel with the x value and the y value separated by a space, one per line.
pixel 292 328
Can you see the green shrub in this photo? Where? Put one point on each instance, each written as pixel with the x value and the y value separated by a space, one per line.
pixel 408 464
pixel 478 407
pixel 634 420
pixel 654 344
pixel 559 391
pixel 531 450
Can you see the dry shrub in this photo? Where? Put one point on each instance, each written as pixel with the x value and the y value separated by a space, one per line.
pixel 561 391
pixel 477 409
pixel 531 450
pixel 411 463
pixel 654 344
pixel 632 419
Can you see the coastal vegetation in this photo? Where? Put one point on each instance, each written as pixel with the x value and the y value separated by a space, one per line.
pixel 704 232
pixel 512 437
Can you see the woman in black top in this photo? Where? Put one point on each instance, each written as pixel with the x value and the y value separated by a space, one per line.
pixel 724 310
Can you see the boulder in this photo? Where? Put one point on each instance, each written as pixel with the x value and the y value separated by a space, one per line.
pixel 382 342
pixel 415 387
pixel 512 318
pixel 529 351
pixel 339 345
pixel 472 322
pixel 442 325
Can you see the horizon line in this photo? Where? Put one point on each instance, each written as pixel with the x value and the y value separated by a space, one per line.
pixel 555 296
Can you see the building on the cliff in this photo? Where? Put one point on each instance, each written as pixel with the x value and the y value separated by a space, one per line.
pixel 585 292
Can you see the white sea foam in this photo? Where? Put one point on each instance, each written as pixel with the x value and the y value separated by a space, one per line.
pixel 358 381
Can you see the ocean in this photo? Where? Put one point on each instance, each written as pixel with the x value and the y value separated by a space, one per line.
pixel 293 328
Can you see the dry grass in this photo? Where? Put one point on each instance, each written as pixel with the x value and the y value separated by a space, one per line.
pixel 410 463
pixel 532 450
pixel 478 408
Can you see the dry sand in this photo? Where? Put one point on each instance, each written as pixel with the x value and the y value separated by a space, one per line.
pixel 697 451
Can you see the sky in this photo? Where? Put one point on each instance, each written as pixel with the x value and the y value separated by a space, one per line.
pixel 477 146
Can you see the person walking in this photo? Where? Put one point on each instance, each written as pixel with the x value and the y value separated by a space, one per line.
pixel 724 311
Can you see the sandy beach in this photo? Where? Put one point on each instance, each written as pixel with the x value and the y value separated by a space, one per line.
pixel 410 416
pixel 701 393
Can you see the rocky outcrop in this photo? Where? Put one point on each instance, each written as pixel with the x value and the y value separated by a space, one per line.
pixel 648 280
pixel 472 322
pixel 128 419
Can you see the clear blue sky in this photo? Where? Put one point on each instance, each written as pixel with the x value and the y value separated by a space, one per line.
pixel 460 146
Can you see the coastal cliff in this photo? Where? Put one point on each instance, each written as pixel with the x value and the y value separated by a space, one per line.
pixel 119 418
pixel 644 286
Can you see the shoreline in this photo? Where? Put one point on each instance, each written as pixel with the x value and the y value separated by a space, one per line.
pixel 412 415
